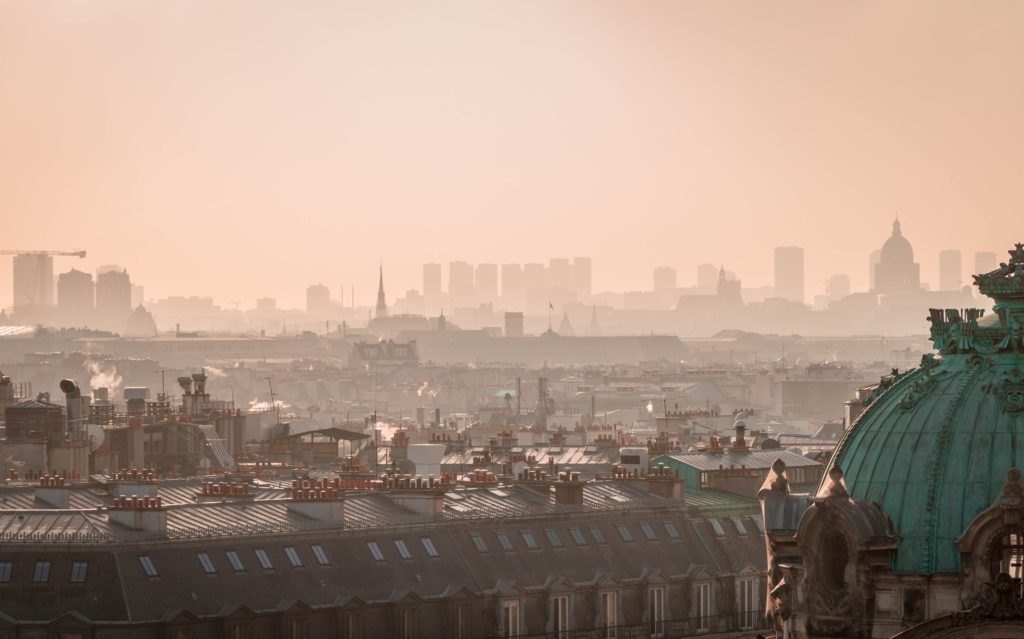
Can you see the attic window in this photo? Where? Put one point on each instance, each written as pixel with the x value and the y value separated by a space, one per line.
pixel 375 550
pixel 670 528
pixel 577 536
pixel 478 541
pixel 740 528
pixel 204 561
pixel 321 556
pixel 264 560
pixel 506 543
pixel 293 556
pixel 556 541
pixel 624 532
pixel 403 550
pixel 590 449
pixel 235 561
pixel 428 545
pixel 717 525
pixel 498 493
pixel 5 572
pixel 759 522
pixel 78 572
pixel 648 532
pixel 147 566
pixel 531 543
pixel 42 572
pixel 598 535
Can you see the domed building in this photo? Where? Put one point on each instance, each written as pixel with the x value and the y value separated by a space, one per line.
pixel 917 530
pixel 896 271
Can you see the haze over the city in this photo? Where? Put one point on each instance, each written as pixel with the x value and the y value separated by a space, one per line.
pixel 241 149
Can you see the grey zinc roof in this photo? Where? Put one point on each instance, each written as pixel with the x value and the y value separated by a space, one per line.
pixel 755 459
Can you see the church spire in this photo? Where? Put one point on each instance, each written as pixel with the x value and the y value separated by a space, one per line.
pixel 896 226
pixel 382 304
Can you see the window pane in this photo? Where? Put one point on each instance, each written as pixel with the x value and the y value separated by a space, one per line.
pixel 717 525
pixel 428 545
pixel 505 542
pixel 264 560
pixel 375 551
pixel 5 571
pixel 598 536
pixel 402 549
pixel 740 528
pixel 553 537
pixel 147 565
pixel 321 556
pixel 293 556
pixel 624 532
pixel 78 570
pixel 42 572
pixel 204 561
pixel 531 543
pixel 577 536
pixel 236 562
pixel 648 532
pixel 670 528
pixel 479 542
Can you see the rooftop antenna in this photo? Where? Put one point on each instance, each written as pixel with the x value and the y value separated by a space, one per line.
pixel 273 402
pixel 163 386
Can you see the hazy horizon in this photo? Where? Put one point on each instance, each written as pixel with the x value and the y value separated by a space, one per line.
pixel 243 149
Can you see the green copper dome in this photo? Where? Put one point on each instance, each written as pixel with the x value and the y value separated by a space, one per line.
pixel 933 445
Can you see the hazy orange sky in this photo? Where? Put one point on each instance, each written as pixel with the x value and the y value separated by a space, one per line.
pixel 245 148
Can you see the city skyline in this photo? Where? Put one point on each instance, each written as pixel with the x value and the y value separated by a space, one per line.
pixel 276 163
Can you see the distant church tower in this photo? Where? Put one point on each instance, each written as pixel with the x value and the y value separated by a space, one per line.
pixel 382 304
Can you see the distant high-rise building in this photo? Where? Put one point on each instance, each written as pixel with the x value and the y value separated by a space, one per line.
pixel 707 276
pixel 432 281
pixel 267 304
pixel 582 277
pixel 113 298
pixel 33 280
pixel 985 262
pixel 534 276
pixel 560 273
pixel 514 324
pixel 838 287
pixel 486 283
pixel 382 301
pixel 665 278
pixel 873 260
pixel 461 289
pixel 318 299
pixel 138 295
pixel 896 271
pixel 76 295
pixel 950 270
pixel 512 286
pixel 789 273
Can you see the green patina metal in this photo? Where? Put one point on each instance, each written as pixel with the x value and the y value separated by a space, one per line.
pixel 934 443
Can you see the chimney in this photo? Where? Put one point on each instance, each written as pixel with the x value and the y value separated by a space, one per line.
pixel 129 482
pixel 569 489
pixel 73 401
pixel 741 428
pixel 317 499
pixel 663 482
pixel 536 480
pixel 53 492
pixel 224 491
pixel 145 514
pixel 424 496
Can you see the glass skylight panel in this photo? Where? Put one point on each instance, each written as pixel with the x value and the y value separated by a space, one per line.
pixel 648 532
pixel 506 543
pixel 204 561
pixel 577 536
pixel 528 539
pixel 264 560
pixel 375 550
pixel 147 566
pixel 717 525
pixel 670 528
pixel 321 556
pixel 403 550
pixel 478 541
pixel 740 528
pixel 293 556
pixel 598 536
pixel 78 571
pixel 553 538
pixel 428 545
pixel 624 532
pixel 235 561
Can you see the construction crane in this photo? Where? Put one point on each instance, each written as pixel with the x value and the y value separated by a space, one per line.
pixel 78 253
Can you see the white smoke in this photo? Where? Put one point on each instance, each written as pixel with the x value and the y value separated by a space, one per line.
pixel 419 391
pixel 256 406
pixel 213 371
pixel 104 375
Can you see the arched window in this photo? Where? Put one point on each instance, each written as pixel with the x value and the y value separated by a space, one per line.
pixel 835 554
pixel 1008 555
